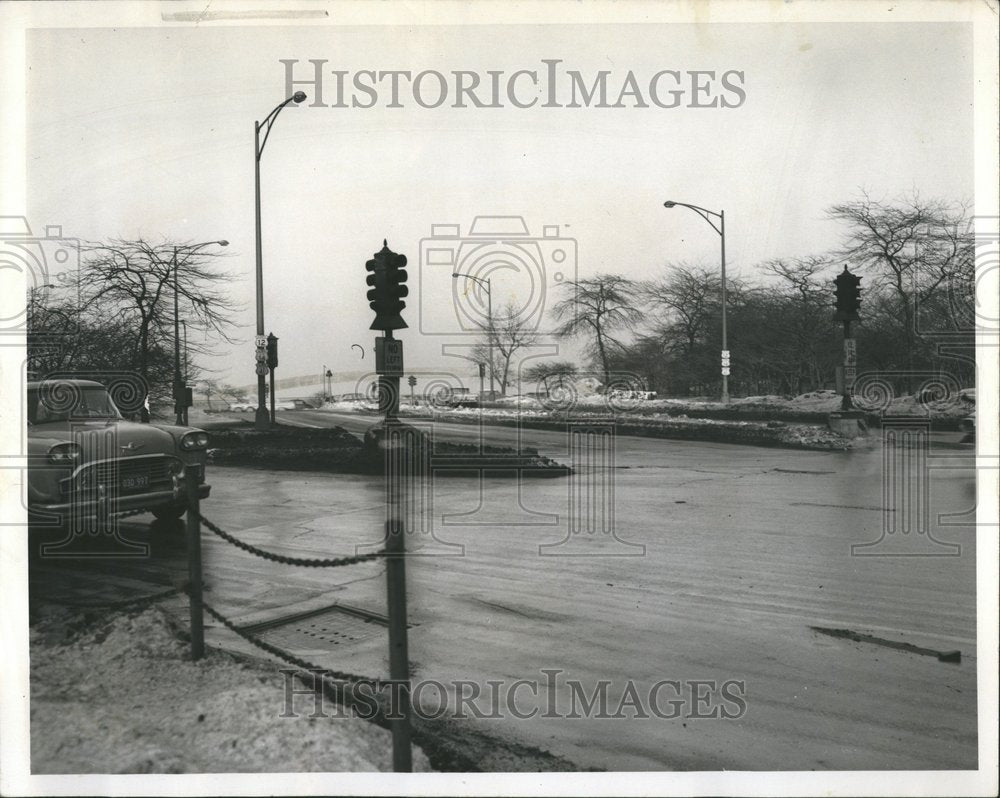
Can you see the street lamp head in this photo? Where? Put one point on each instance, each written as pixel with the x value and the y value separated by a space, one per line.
pixel 455 274
pixel 669 204
pixel 222 243
pixel 299 96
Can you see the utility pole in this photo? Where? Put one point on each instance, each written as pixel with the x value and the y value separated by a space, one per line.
pixel 720 227
pixel 261 416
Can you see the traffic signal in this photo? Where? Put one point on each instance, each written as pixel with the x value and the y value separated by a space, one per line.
pixel 387 281
pixel 272 351
pixel 848 291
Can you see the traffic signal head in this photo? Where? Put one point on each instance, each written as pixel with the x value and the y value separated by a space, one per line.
pixel 848 294
pixel 387 281
pixel 272 351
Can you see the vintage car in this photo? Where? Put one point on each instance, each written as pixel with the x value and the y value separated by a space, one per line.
pixel 86 460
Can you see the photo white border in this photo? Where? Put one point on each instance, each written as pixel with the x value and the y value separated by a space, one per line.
pixel 17 18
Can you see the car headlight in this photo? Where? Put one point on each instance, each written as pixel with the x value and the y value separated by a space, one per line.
pixel 194 441
pixel 64 453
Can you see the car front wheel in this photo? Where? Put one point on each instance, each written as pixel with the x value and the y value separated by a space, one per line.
pixel 169 512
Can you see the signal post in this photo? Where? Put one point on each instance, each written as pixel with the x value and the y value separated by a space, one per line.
pixel 387 281
pixel 272 364
pixel 848 422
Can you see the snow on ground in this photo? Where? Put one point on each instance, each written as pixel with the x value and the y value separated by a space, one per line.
pixel 823 401
pixel 123 696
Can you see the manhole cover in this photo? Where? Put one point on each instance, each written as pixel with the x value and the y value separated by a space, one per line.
pixel 320 629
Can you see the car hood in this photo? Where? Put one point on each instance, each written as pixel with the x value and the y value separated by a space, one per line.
pixel 141 438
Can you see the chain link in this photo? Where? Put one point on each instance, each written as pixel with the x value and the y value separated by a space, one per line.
pixel 323 673
pixel 308 563
pixel 326 673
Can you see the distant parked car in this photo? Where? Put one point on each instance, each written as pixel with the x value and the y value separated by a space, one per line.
pixel 640 396
pixel 85 459
pixel 242 407
pixel 300 404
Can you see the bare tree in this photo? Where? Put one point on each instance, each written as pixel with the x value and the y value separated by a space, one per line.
pixel 231 393
pixel 509 335
pixel 131 283
pixel 558 370
pixel 595 308
pixel 686 301
pixel 209 388
pixel 915 247
pixel 802 337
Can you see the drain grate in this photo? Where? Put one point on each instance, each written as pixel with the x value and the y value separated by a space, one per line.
pixel 338 625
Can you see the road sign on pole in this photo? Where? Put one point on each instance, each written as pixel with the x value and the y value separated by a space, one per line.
pixel 388 356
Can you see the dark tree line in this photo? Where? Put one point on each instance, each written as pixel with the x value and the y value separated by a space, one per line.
pixel 917 261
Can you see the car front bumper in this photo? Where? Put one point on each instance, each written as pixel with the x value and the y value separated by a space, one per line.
pixel 99 505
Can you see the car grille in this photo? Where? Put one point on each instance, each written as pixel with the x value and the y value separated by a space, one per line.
pixel 112 474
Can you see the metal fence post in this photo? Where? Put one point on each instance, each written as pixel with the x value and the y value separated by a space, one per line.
pixel 193 528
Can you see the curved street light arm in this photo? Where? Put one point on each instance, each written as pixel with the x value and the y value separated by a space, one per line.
pixel 704 213
pixel 269 120
pixel 479 280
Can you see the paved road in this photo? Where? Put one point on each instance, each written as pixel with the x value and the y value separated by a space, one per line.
pixel 721 560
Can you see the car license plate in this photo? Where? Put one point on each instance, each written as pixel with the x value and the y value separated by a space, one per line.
pixel 134 482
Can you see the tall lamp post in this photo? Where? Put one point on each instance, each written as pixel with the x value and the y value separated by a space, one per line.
pixel 720 228
pixel 262 419
pixel 489 315
pixel 180 411
pixel 185 371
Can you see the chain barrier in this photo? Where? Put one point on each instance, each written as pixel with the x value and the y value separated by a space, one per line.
pixel 308 563
pixel 325 673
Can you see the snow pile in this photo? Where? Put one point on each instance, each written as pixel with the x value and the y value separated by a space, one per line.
pixel 124 697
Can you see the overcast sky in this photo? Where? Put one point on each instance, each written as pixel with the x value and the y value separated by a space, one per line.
pixel 149 132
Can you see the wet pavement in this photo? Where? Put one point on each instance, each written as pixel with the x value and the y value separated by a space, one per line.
pixel 668 560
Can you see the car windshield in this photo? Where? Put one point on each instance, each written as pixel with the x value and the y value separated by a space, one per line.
pixel 63 402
